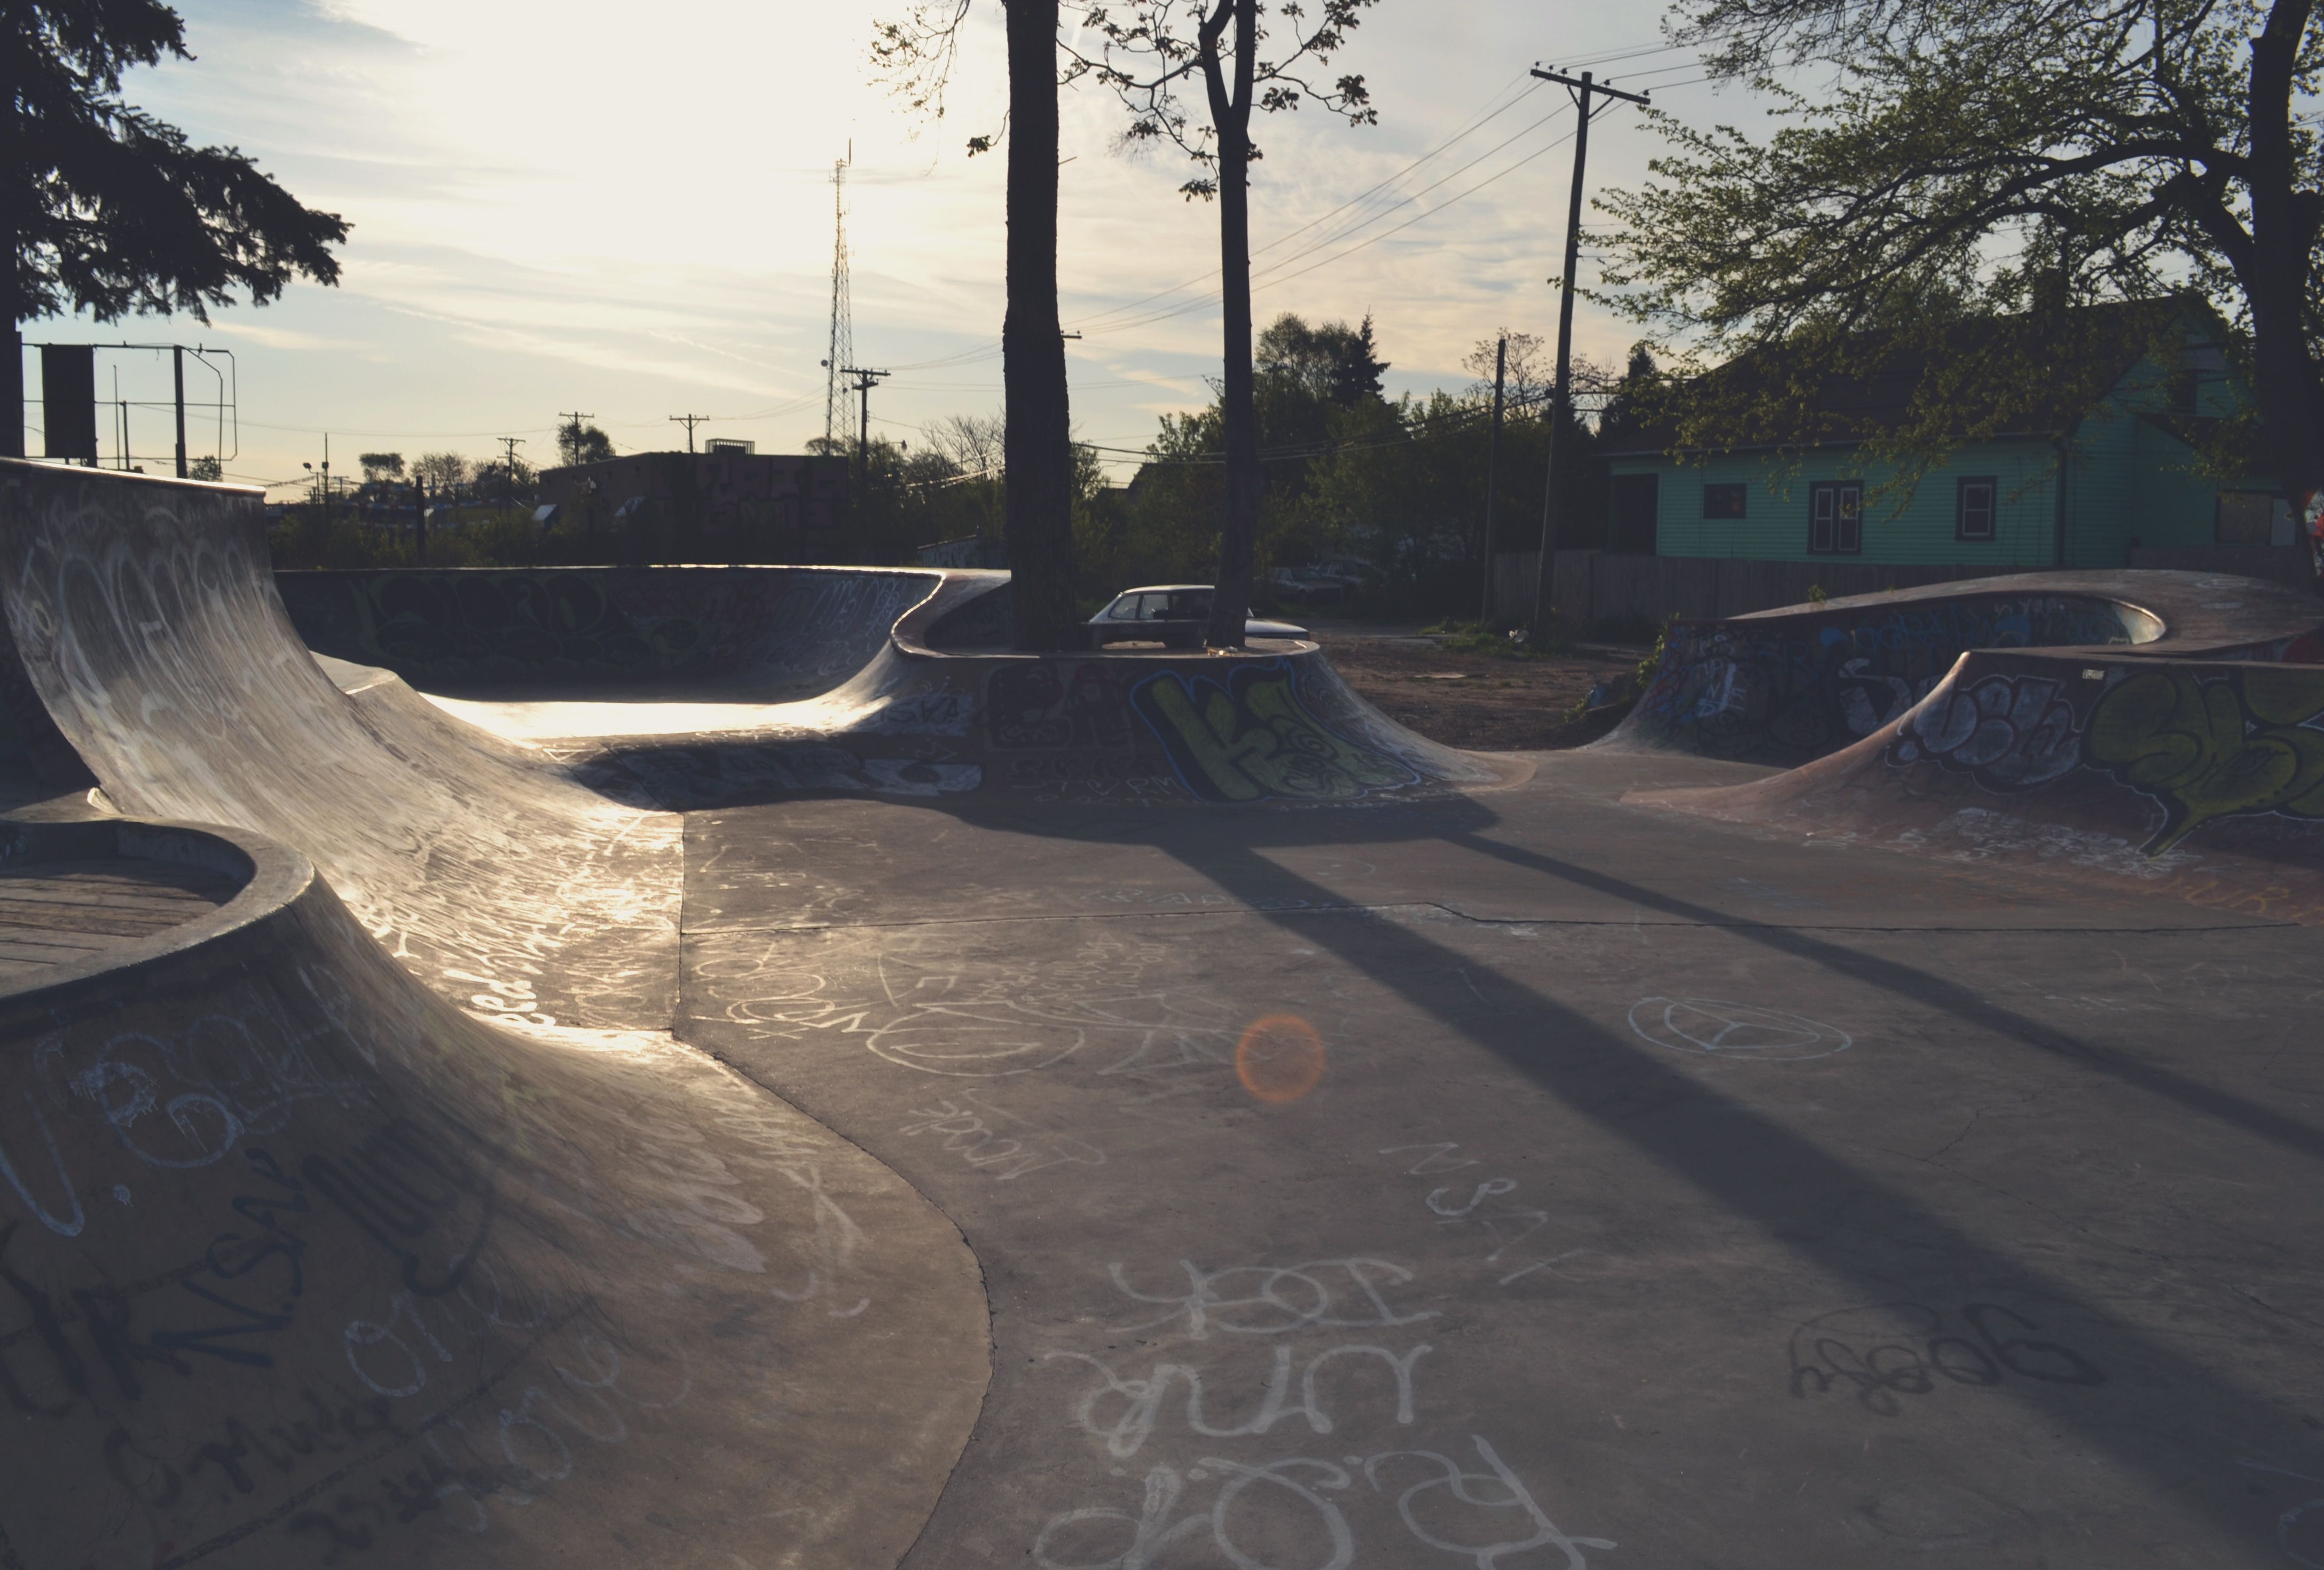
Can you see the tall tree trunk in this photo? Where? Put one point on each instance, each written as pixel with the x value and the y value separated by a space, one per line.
pixel 1231 115
pixel 14 188
pixel 2283 228
pixel 1038 443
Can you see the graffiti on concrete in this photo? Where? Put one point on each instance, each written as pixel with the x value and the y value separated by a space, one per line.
pixel 2008 732
pixel 1734 690
pixel 2229 746
pixel 1055 703
pixel 1250 738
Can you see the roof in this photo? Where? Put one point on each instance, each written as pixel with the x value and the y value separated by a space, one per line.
pixel 2096 348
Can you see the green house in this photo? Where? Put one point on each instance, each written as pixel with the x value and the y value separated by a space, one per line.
pixel 2132 478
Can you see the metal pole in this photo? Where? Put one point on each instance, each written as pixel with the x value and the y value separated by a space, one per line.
pixel 1493 473
pixel 419 519
pixel 178 373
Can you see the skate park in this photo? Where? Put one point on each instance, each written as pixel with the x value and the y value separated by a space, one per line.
pixel 726 1067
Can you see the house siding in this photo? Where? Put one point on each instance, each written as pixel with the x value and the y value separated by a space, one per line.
pixel 2129 482
pixel 2173 506
pixel 1915 527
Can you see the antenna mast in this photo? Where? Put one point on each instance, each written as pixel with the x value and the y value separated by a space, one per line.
pixel 835 385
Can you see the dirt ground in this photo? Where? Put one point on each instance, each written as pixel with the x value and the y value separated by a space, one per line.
pixel 1482 702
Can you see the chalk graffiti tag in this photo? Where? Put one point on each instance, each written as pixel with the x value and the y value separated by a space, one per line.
pixel 1725 1029
pixel 1250 738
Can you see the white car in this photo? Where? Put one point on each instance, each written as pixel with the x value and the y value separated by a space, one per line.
pixel 1174 614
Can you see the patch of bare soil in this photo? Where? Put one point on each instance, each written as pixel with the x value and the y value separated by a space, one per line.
pixel 1484 703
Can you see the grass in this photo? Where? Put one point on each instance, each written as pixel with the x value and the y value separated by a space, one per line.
pixel 1458 637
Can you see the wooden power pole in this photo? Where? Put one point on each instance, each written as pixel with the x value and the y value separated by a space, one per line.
pixel 1561 401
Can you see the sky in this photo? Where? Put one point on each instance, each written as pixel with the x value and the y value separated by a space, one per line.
pixel 627 212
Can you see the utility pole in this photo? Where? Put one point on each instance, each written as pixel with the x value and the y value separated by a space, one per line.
pixel 1561 401
pixel 864 382
pixel 178 371
pixel 508 468
pixel 1493 472
pixel 419 517
pixel 689 422
pixel 573 419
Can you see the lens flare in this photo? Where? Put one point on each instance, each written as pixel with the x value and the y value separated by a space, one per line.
pixel 1281 1058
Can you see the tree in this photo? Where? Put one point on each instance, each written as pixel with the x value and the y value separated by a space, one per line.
pixel 1968 177
pixel 918 54
pixel 1148 54
pixel 110 211
pixel 443 471
pixel 382 468
pixel 1330 363
pixel 976 444
pixel 1529 372
pixel 581 444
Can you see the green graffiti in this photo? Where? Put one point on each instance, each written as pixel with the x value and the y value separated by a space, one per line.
pixel 2223 748
pixel 1251 738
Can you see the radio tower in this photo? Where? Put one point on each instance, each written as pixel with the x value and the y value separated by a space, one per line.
pixel 835 387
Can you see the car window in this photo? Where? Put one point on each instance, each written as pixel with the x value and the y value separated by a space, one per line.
pixel 1123 609
pixel 1190 607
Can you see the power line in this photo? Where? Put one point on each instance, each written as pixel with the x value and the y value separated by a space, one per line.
pixel 689 422
pixel 1358 198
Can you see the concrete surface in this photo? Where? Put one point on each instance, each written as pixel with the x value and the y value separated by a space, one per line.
pixel 1661 1197
pixel 1508 1164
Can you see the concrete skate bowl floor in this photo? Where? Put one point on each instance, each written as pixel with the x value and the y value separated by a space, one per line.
pixel 1786 686
pixel 1503 1179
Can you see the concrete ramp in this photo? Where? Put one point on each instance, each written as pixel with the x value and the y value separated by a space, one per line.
pixel 149 643
pixel 299 1265
pixel 400 1232
pixel 862 680
pixel 2201 779
pixel 1787 686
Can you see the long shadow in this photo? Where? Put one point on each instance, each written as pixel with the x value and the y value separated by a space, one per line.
pixel 1936 993
pixel 1786 1185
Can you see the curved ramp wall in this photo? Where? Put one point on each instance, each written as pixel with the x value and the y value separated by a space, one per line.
pixel 299 1265
pixel 909 696
pixel 778 632
pixel 2198 779
pixel 1784 686
pixel 151 654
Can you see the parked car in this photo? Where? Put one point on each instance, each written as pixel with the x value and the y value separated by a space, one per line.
pixel 1174 614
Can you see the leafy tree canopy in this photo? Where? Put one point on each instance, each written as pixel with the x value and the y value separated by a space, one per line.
pixel 380 468
pixel 1331 362
pixel 2001 161
pixel 577 443
pixel 114 211
pixel 441 470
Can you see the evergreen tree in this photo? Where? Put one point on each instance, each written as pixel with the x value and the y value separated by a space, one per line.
pixel 110 211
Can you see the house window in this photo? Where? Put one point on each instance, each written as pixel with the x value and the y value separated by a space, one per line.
pixel 1722 500
pixel 1973 508
pixel 1836 518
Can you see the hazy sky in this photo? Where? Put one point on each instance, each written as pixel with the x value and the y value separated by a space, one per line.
pixel 626 210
